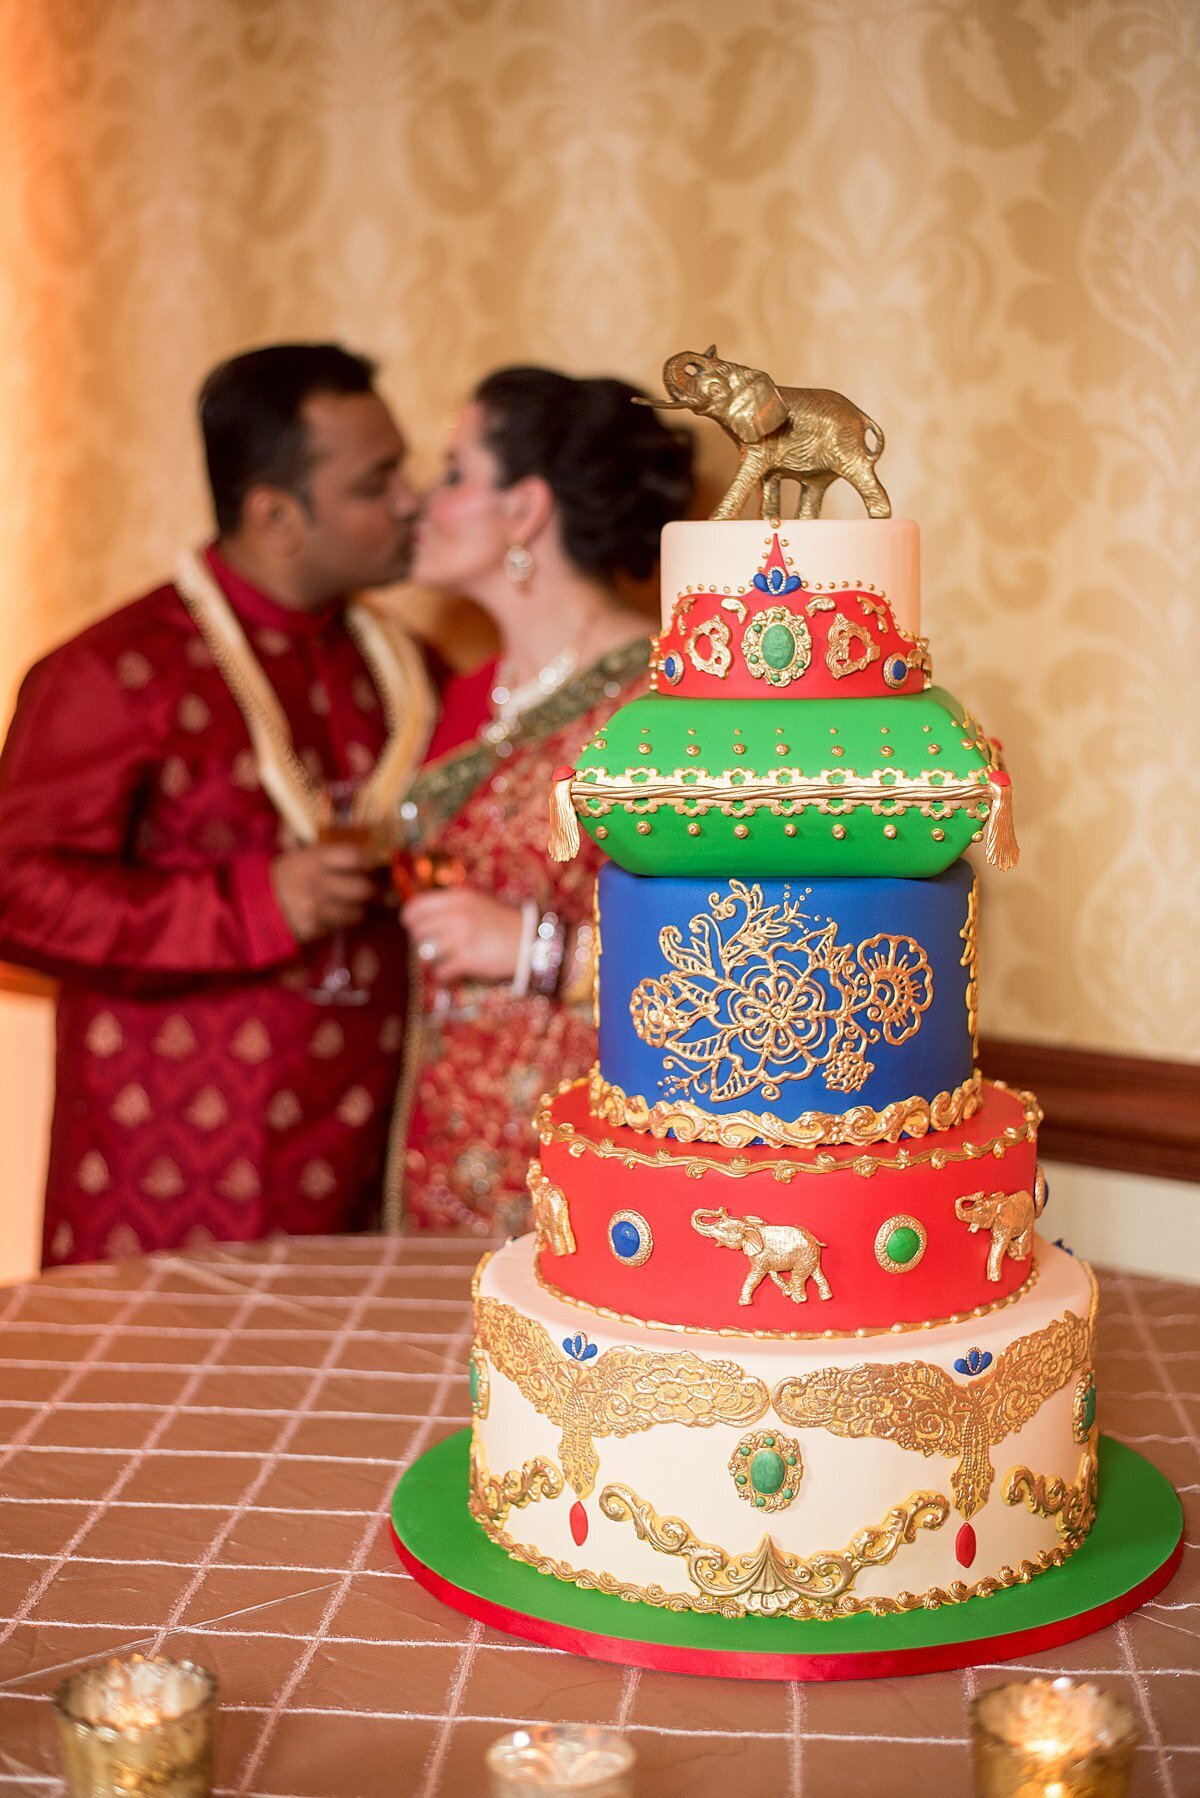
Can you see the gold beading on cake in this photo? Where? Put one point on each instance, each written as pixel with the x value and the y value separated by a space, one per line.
pixel 859 1127
pixel 693 792
pixel 864 1330
pixel 777 1168
pixel 493 1496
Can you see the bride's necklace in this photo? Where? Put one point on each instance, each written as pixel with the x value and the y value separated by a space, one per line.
pixel 510 702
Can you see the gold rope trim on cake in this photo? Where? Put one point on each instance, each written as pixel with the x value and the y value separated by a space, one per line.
pixel 694 792
pixel 618 1393
pixel 957 1592
pixel 654 1323
pixel 857 1127
pixel 918 1405
pixel 770 1581
pixel 696 1166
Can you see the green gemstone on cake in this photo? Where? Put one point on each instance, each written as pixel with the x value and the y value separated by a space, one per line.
pixel 1089 1408
pixel 902 1245
pixel 767 1470
pixel 473 1381
pixel 778 646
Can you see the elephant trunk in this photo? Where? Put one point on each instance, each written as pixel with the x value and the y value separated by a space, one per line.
pixel 709 1222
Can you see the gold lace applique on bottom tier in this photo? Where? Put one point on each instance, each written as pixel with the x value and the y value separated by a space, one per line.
pixel 493 1495
pixel 957 1592
pixel 857 1127
pixel 768 1581
pixel 1072 1506
pixel 618 1393
pixel 920 1406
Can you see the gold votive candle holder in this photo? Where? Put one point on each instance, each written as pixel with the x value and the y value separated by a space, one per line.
pixel 561 1760
pixel 141 1725
pixel 1051 1738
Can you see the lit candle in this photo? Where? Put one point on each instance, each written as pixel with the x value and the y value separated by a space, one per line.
pixel 1041 1738
pixel 561 1760
pixel 137 1726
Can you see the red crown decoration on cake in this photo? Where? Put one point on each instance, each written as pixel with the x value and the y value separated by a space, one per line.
pixel 831 642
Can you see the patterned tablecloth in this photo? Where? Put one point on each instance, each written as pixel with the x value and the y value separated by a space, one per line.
pixel 197 1455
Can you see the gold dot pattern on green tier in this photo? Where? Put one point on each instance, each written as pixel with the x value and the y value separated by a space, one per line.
pixel 643 828
pixel 887 750
pixel 782 749
pixel 693 830
pixel 789 830
pixel 839 831
pixel 741 830
pixel 643 749
pixel 939 836
pixel 889 831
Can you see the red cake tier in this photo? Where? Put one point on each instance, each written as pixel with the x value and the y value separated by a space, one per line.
pixel 799 1243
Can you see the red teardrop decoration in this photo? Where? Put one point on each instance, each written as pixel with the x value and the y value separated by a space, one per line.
pixel 964 1545
pixel 579 1524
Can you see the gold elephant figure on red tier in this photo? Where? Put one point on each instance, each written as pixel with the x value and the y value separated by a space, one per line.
pixel 789 1254
pixel 808 434
pixel 1010 1216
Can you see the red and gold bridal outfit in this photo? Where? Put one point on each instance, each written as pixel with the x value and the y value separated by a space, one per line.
pixel 479 1057
pixel 200 1094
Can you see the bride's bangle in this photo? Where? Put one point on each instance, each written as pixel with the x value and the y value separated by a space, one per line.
pixel 529 921
pixel 546 954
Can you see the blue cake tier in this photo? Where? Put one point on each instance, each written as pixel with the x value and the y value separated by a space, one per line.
pixel 790 1011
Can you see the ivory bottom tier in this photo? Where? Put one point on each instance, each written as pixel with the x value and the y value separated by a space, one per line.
pixel 744 1475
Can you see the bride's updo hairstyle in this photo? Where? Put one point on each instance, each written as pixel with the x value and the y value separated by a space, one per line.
pixel 617 472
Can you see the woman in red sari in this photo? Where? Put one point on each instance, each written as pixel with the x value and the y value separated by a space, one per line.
pixel 554 493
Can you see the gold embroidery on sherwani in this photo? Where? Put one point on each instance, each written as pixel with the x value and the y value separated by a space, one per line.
pixel 104 1036
pixel 240 1181
pixel 92 1173
pixel 284 1110
pixel 919 1406
pixel 131 1106
pixel 619 1393
pixel 397 668
pixel 176 1039
pixel 252 1043
pixel 162 1179
pixel 207 1110
pixel 132 669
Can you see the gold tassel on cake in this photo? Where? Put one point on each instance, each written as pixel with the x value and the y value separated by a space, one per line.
pixel 1000 843
pixel 564 825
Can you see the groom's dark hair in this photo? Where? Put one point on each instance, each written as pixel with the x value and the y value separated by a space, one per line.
pixel 250 417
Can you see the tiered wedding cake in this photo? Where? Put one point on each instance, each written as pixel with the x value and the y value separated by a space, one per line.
pixel 784 1340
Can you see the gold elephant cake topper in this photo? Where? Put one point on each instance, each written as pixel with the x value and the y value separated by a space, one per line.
pixel 806 434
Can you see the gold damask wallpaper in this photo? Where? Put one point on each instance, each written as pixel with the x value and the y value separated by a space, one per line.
pixel 979 218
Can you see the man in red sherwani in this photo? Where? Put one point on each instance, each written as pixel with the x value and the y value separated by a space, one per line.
pixel 163 794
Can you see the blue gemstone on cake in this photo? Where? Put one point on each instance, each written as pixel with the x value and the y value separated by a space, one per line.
pixel 672 669
pixel 626 1239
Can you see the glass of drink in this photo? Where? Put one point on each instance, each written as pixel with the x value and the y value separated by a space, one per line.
pixel 339 825
pixel 416 868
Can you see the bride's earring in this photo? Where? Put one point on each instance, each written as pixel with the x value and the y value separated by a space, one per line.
pixel 518 562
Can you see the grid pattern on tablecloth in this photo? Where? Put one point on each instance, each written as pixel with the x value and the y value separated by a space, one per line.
pixel 197 1455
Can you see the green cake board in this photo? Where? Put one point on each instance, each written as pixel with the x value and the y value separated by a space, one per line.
pixel 1133 1549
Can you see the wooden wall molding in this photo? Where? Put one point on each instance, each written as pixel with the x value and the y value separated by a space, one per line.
pixel 1122 1112
pixel 1111 1111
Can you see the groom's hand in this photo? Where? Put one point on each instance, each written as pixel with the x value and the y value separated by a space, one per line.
pixel 322 888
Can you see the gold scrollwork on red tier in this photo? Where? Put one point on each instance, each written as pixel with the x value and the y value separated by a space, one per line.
pixel 494 1495
pixel 858 1127
pixel 740 1168
pixel 1071 1504
pixel 769 1581
pixel 618 1393
pixel 919 1406
pixel 758 996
